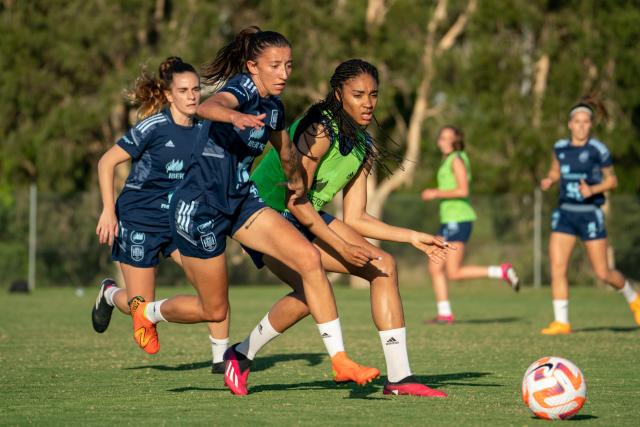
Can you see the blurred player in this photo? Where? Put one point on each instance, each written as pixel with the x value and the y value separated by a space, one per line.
pixel 337 155
pixel 138 223
pixel 456 223
pixel 217 199
pixel 584 168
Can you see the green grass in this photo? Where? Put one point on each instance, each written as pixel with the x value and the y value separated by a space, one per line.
pixel 55 370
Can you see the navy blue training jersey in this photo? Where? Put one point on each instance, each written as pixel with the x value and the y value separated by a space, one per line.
pixel 160 151
pixel 581 162
pixel 224 154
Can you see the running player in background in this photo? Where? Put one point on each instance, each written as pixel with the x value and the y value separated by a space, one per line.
pixel 456 223
pixel 138 223
pixel 337 155
pixel 584 168
pixel 217 199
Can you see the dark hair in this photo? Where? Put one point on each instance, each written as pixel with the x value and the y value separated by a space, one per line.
pixel 594 104
pixel 458 142
pixel 246 46
pixel 330 113
pixel 148 91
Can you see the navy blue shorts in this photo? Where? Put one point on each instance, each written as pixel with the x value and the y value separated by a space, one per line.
pixel 141 248
pixel 456 231
pixel 584 221
pixel 256 256
pixel 201 230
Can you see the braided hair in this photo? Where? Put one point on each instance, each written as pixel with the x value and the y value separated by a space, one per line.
pixel 338 124
pixel 246 46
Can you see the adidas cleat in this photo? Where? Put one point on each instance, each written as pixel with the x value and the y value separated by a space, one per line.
pixel 345 369
pixel 440 320
pixel 144 331
pixel 236 371
pixel 411 387
pixel 101 311
pixel 509 275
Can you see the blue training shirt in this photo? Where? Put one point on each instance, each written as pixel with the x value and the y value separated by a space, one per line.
pixel 160 151
pixel 223 155
pixel 581 162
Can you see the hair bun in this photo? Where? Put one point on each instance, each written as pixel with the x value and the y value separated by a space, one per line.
pixel 168 64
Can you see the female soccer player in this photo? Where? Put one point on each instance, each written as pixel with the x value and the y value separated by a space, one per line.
pixel 217 199
pixel 456 222
pixel 584 168
pixel 337 154
pixel 138 223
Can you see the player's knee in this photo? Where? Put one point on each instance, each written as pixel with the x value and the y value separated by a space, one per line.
pixel 388 265
pixel 436 269
pixel 308 260
pixel 602 274
pixel 215 313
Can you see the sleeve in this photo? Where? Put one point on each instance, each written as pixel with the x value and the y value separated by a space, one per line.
pixel 135 142
pixel 280 122
pixel 605 156
pixel 241 86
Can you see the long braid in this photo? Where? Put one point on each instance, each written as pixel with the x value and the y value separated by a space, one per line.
pixel 330 113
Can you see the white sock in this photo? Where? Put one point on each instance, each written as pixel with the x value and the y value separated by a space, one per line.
pixel 394 345
pixel 494 272
pixel 109 293
pixel 259 337
pixel 331 334
pixel 444 308
pixel 218 347
pixel 561 310
pixel 153 313
pixel 628 292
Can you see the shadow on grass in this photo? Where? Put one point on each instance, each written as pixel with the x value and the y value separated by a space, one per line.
pixel 260 364
pixel 578 417
pixel 607 328
pixel 492 320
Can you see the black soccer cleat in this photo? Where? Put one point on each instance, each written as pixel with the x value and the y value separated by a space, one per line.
pixel 217 368
pixel 101 312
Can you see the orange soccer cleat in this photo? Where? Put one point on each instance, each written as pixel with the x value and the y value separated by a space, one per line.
pixel 144 331
pixel 345 369
pixel 635 309
pixel 557 328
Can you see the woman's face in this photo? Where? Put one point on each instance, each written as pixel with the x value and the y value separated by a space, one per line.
pixel 359 98
pixel 580 125
pixel 271 70
pixel 446 138
pixel 184 94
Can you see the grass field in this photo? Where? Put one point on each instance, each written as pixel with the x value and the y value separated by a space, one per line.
pixel 56 371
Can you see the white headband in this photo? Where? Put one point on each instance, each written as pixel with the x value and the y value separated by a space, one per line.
pixel 581 108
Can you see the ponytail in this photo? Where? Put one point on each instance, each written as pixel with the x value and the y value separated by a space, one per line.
pixel 232 58
pixel 148 92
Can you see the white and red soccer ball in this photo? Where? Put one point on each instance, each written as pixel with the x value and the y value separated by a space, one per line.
pixel 554 388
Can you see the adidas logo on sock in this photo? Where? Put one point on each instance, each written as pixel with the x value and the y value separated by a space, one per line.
pixel 170 144
pixel 260 328
pixel 325 335
pixel 392 341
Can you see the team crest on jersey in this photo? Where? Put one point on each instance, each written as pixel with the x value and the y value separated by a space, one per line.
pixel 208 242
pixel 274 119
pixel 137 237
pixel 584 157
pixel 137 252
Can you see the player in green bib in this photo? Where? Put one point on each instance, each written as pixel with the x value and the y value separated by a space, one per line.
pixel 337 153
pixel 456 223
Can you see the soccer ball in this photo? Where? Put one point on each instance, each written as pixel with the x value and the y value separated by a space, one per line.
pixel 554 388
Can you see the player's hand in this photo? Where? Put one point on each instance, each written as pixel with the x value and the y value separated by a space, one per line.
pixel 429 194
pixel 243 121
pixel 107 228
pixel 546 183
pixel 297 187
pixel 435 248
pixel 585 189
pixel 355 255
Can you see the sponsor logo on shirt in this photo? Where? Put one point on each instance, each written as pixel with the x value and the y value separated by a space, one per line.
pixel 174 169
